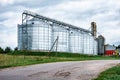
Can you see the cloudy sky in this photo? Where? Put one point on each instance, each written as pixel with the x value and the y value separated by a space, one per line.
pixel 106 13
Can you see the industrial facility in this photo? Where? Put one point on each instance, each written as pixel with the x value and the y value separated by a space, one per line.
pixel 39 33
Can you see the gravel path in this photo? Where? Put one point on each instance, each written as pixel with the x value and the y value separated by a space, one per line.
pixel 73 70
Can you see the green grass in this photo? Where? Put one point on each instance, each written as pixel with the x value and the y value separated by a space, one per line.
pixel 20 58
pixel 110 74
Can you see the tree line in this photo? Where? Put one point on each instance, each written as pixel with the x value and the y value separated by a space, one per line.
pixel 7 50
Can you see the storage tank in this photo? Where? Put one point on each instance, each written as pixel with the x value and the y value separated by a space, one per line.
pixel 37 36
pixel 101 42
pixel 39 33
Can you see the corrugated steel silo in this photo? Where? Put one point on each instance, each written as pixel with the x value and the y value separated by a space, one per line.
pixel 101 43
pixel 40 33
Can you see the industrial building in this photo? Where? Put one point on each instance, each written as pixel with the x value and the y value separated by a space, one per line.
pixel 110 49
pixel 39 33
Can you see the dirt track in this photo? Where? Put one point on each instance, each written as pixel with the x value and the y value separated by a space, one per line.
pixel 74 70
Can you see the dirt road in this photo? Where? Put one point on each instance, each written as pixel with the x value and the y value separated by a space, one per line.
pixel 74 70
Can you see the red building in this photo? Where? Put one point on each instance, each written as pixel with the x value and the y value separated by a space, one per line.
pixel 110 49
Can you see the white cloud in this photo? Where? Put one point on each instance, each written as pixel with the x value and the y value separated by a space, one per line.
pixel 112 35
pixel 8 38
pixel 6 2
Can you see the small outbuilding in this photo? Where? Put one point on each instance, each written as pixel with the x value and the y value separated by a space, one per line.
pixel 110 49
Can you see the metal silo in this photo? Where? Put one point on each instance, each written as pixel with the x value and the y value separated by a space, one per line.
pixel 45 34
pixel 101 43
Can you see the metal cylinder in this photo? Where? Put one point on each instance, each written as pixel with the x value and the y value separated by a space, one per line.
pixel 101 43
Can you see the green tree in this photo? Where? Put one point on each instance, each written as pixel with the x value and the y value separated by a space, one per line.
pixel 118 46
pixel 1 50
pixel 16 49
pixel 8 49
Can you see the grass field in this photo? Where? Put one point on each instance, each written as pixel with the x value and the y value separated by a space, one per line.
pixel 26 58
pixel 110 74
